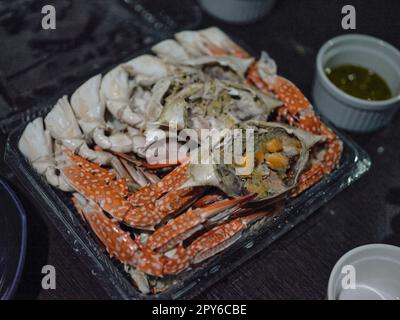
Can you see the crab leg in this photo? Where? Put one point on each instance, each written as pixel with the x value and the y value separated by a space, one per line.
pixel 177 262
pixel 110 196
pixel 152 213
pixel 90 167
pixel 99 185
pixel 208 199
pixel 188 223
pixel 152 203
pixel 118 243
pixel 221 237
pixel 150 193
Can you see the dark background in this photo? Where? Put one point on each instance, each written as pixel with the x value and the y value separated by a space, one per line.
pixel 298 265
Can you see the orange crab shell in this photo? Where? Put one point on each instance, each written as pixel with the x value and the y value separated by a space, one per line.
pixel 190 222
pixel 148 261
pixel 179 262
pixel 151 193
pixel 215 240
pixel 118 243
pixel 97 184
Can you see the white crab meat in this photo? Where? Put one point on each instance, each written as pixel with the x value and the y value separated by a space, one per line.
pixel 238 65
pixel 155 107
pixel 36 145
pixel 61 121
pixel 63 126
pixel 115 85
pixel 171 51
pixel 209 41
pixel 116 91
pixel 139 278
pixel 89 108
pixel 88 105
pixel 147 69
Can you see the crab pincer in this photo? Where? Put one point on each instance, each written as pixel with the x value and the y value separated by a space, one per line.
pixel 117 242
pixel 185 225
pixel 99 185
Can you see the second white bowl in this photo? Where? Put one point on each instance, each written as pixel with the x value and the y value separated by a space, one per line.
pixel 376 271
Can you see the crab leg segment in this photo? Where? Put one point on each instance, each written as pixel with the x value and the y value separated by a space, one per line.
pixel 179 261
pixel 151 214
pixel 208 199
pixel 107 196
pixel 221 237
pixel 153 192
pixel 188 223
pixel 90 167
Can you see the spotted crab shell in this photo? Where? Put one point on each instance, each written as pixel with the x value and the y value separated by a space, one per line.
pixel 307 139
pixel 224 177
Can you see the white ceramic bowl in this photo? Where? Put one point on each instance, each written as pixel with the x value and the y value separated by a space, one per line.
pixel 237 11
pixel 343 110
pixel 377 274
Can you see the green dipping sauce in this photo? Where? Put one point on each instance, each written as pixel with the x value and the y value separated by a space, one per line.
pixel 359 82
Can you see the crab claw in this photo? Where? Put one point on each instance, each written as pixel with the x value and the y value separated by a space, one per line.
pixel 99 185
pixel 118 243
pixel 190 222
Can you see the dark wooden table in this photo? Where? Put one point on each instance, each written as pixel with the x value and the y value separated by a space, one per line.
pixel 298 265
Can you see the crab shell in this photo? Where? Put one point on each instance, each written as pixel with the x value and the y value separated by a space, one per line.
pixel 307 139
pixel 225 178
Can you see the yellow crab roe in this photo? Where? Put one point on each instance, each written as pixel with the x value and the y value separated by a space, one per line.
pixel 274 145
pixel 260 157
pixel 277 161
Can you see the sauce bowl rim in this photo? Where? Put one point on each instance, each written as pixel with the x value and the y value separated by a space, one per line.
pixel 338 93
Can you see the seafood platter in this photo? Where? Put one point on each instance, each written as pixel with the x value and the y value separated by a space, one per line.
pixel 156 224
